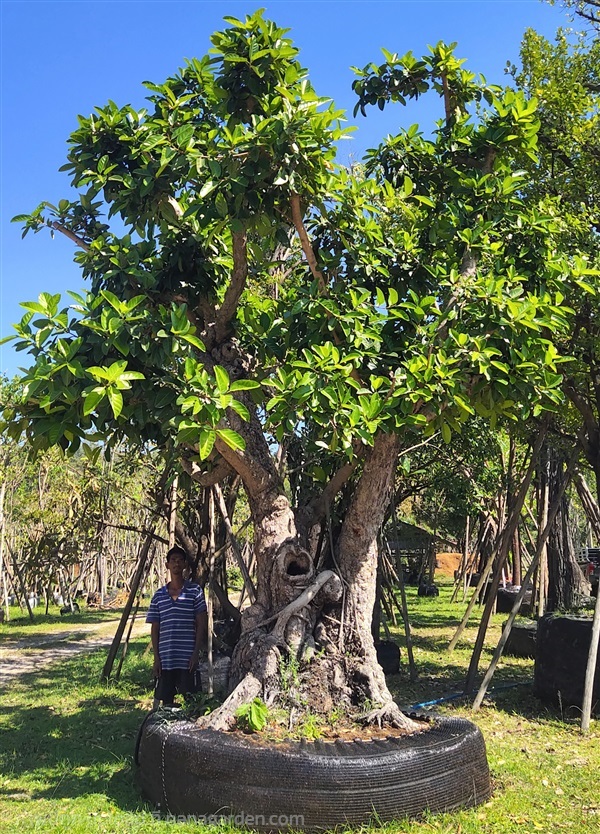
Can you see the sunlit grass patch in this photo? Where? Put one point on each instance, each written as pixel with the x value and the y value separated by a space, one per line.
pixel 67 741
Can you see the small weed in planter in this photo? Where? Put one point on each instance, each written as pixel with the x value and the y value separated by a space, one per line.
pixel 253 717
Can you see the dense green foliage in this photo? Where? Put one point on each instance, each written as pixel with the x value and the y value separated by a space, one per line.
pixel 432 289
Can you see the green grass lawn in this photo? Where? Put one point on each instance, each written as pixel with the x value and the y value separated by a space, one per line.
pixel 67 741
pixel 20 627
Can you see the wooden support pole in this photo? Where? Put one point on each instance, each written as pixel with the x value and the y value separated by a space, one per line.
pixel 543 571
pixel 483 578
pixel 17 570
pixel 3 572
pixel 540 548
pixel 590 672
pixel 234 543
pixel 173 512
pixel 209 596
pixel 505 539
pixel 135 583
pixel 593 514
pixel 132 620
pixel 404 610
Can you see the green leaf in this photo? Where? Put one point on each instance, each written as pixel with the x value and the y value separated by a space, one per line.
pixel 243 385
pixel 116 370
pixel 221 205
pixel 116 400
pixel 232 438
pixel 132 375
pixel 114 302
pixel 240 409
pixel 34 306
pixel 207 189
pixel 222 378
pixel 92 399
pixel 193 340
pixel 206 443
pixel 425 200
pixel 55 433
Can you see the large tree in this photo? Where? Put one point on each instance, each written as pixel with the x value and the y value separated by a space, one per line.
pixel 248 295
pixel 565 76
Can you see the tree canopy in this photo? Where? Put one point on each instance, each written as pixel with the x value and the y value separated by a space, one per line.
pixel 247 293
pixel 430 289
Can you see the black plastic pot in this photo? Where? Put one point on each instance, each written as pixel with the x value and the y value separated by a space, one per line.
pixel 506 597
pixel 212 776
pixel 562 648
pixel 522 639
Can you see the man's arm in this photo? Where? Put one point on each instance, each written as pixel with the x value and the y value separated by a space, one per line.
pixel 154 635
pixel 201 638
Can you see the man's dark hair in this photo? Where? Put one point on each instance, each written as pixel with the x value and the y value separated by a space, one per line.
pixel 179 551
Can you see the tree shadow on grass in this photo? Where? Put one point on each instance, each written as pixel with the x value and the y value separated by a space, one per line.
pixel 60 746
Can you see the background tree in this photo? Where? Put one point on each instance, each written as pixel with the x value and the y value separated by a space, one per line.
pixel 565 76
pixel 250 293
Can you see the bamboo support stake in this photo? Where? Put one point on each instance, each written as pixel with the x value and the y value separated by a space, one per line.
pixel 173 512
pixel 209 598
pixel 543 571
pixel 590 672
pixel 543 538
pixel 3 584
pixel 133 617
pixel 505 538
pixel 404 610
pixel 20 578
pixel 483 578
pixel 135 583
pixel 234 543
pixel 464 561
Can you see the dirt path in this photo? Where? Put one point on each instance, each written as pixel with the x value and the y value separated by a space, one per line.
pixel 20 657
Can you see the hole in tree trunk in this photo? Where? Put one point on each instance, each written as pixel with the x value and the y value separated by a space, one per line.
pixel 297 568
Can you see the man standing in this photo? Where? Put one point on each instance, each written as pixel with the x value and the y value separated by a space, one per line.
pixel 179 628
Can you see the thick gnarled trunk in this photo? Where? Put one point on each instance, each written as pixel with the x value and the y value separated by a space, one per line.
pixel 318 622
pixel 358 556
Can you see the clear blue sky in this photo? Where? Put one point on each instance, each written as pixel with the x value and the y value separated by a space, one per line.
pixel 63 58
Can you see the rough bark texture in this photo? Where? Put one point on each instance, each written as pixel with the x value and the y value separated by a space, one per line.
pixel 358 567
pixel 566 582
pixel 307 638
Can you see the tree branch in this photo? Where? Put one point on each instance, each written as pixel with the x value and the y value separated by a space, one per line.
pixel 306 244
pixel 234 543
pixel 582 405
pixel 317 508
pixel 71 235
pixel 447 102
pixel 221 470
pixel 236 286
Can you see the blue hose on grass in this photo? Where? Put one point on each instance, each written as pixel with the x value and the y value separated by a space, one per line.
pixel 455 695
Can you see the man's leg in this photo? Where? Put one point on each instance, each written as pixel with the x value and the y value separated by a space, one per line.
pixel 186 682
pixel 166 687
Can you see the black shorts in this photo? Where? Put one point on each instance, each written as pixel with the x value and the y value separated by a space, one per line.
pixel 176 681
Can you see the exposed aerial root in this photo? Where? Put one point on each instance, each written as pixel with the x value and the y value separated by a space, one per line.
pixel 224 717
pixel 391 715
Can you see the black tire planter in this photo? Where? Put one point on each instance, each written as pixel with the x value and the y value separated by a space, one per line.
pixel 522 639
pixel 210 776
pixel 562 648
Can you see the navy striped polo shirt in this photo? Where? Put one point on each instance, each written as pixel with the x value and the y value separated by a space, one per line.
pixel 177 619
